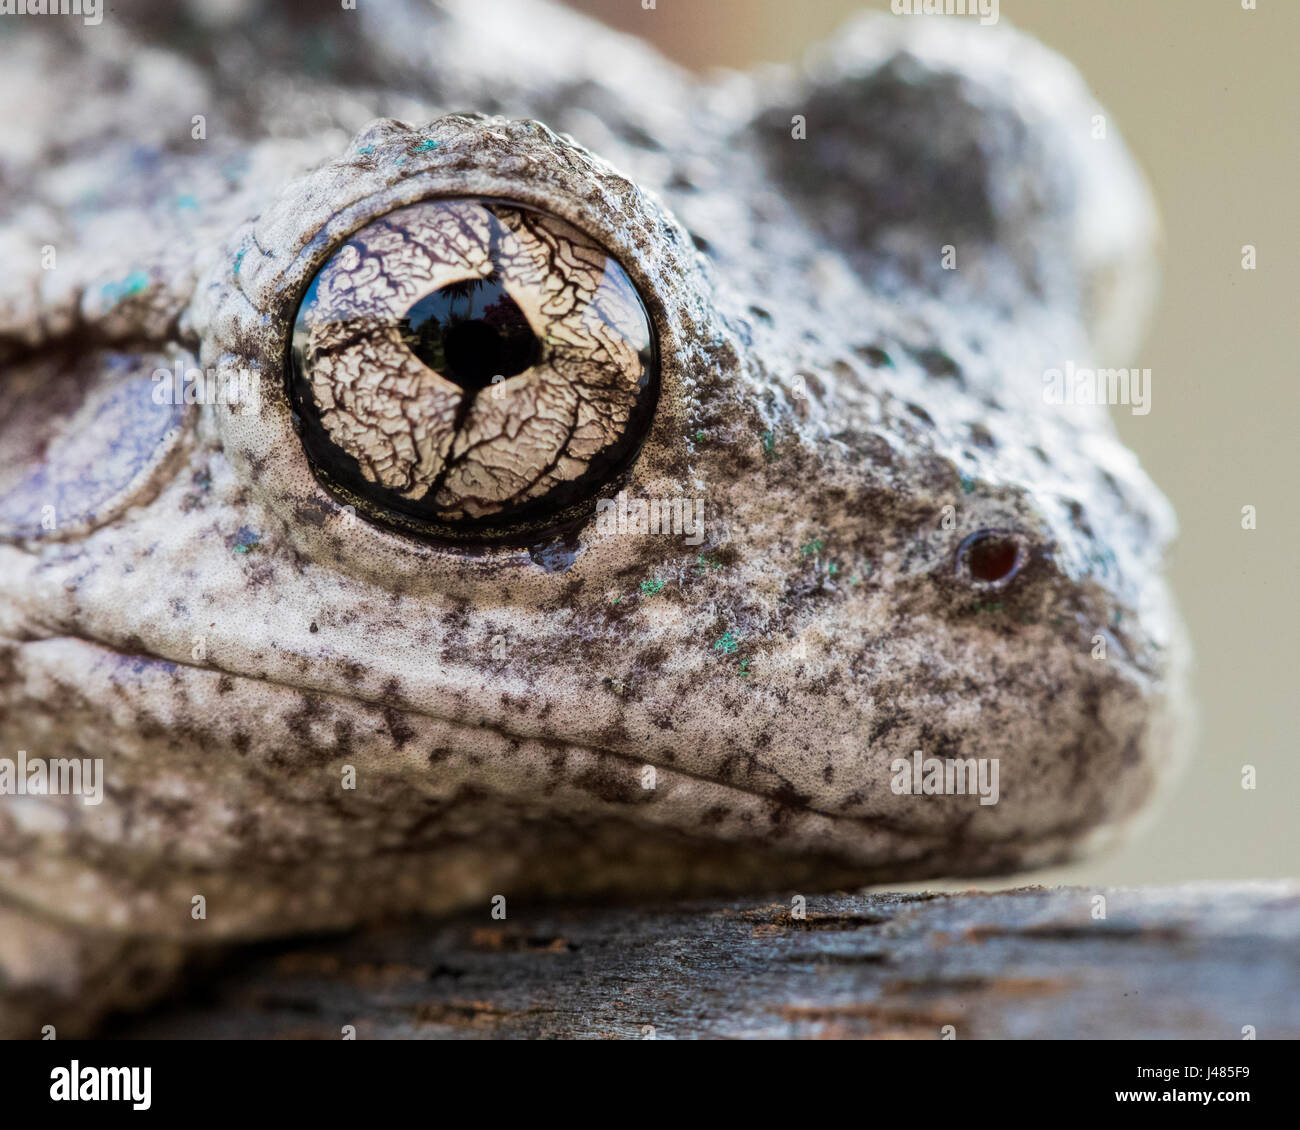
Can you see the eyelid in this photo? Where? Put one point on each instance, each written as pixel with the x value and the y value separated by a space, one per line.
pixel 247 302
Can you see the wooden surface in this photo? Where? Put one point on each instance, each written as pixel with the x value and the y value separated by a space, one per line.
pixel 1197 961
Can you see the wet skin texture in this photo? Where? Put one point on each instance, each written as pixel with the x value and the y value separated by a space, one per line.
pixel 904 547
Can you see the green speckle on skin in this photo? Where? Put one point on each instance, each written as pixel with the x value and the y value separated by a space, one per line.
pixel 246 540
pixel 703 564
pixel 813 547
pixel 424 145
pixel 744 668
pixel 239 259
pixel 366 149
pixel 134 283
pixel 832 568
pixel 727 644
pixel 967 484
pixel 769 445
pixel 1104 561
pixel 187 202
pixel 699 435
pixel 651 587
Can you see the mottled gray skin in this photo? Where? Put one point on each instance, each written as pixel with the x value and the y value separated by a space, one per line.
pixel 209 621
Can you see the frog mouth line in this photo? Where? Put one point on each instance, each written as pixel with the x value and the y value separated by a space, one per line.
pixel 777 807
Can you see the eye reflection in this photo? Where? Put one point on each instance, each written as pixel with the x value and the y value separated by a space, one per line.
pixel 471 369
pixel 470 332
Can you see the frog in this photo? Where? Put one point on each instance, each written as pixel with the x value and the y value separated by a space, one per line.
pixel 455 458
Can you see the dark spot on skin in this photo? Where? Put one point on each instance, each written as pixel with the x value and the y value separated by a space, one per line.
pixel 937 363
pixel 398 728
pixel 313 512
pixel 761 314
pixel 313 628
pixel 886 725
pixel 921 414
pixel 343 736
pixel 1077 518
pixel 299 721
pixel 982 437
pixel 874 356
pixel 701 244
pixel 241 742
pixel 225 684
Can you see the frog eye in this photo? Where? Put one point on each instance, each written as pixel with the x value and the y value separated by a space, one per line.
pixel 991 558
pixel 470 369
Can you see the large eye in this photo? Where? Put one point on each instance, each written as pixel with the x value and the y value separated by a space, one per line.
pixel 471 369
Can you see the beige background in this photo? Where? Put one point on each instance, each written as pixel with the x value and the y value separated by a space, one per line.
pixel 1208 97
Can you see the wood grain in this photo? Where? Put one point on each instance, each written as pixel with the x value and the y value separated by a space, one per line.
pixel 1193 961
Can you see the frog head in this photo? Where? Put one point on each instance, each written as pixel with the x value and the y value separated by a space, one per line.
pixel 510 464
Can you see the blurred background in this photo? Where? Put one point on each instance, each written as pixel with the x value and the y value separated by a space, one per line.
pixel 1207 96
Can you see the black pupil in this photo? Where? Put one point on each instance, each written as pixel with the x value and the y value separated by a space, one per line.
pixel 470 332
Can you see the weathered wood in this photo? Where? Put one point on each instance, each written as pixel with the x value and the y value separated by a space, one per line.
pixel 1195 961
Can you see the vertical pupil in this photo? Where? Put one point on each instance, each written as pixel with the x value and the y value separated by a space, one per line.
pixel 470 332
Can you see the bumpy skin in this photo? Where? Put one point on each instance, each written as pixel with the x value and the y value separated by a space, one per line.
pixel 218 628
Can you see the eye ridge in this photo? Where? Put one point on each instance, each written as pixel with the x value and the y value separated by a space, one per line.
pixel 397 341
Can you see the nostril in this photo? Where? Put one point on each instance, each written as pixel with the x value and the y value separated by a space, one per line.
pixel 991 557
